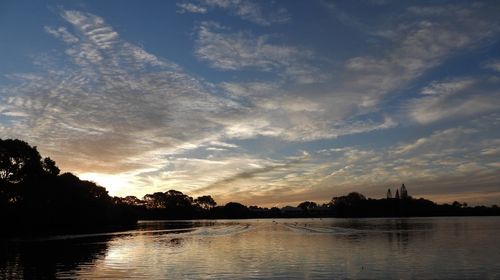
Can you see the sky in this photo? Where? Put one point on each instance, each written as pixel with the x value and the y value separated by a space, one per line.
pixel 267 103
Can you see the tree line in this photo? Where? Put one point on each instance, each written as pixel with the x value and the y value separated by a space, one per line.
pixel 35 197
pixel 176 205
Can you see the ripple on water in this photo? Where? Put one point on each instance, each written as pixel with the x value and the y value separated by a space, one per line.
pixel 219 230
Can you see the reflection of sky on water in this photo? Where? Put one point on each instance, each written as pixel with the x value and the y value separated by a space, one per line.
pixel 305 248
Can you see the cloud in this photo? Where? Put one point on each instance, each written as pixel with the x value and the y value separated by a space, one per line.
pixel 114 107
pixel 448 87
pixel 239 90
pixel 246 10
pixel 455 99
pixel 275 112
pixel 438 140
pixel 118 113
pixel 345 18
pixel 437 11
pixel 452 161
pixel 62 33
pixel 223 144
pixel 351 99
pixel 493 65
pixel 234 51
pixel 250 174
pixel 220 173
pixel 423 47
pixel 419 44
pixel 227 50
pixel 260 179
pixel 191 8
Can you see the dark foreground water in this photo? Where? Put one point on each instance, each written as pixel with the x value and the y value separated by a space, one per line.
pixel 437 248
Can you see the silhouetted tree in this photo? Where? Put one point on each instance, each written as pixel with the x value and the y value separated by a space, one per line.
pixel 348 200
pixel 50 167
pixel 171 204
pixel 206 202
pixel 155 200
pixel 132 200
pixel 275 212
pixel 458 204
pixel 389 194
pixel 33 197
pixel 236 210
pixel 348 205
pixel 177 200
pixel 18 161
pixel 404 192
pixel 307 205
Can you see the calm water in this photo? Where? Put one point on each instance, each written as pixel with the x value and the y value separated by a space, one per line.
pixel 303 248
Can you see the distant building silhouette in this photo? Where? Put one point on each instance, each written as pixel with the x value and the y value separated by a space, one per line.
pixel 396 196
pixel 389 194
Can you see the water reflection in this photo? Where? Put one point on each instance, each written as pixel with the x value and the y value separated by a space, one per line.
pixel 397 232
pixel 44 260
pixel 63 256
pixel 287 249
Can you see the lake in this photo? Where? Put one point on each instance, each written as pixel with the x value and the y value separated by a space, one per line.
pixel 385 248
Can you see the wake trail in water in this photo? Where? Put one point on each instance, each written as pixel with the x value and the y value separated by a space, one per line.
pixel 219 230
pixel 192 231
pixel 130 232
pixel 307 228
pixel 316 229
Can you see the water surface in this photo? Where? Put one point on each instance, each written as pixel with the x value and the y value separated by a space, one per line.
pixel 444 248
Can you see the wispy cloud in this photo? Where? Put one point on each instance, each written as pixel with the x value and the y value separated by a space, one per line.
pixel 419 45
pixel 448 87
pixel 437 141
pixel 454 99
pixel 228 50
pixel 191 8
pixel 115 95
pixel 431 165
pixel 62 33
pixel 112 111
pixel 493 65
pixel 448 160
pixel 246 10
